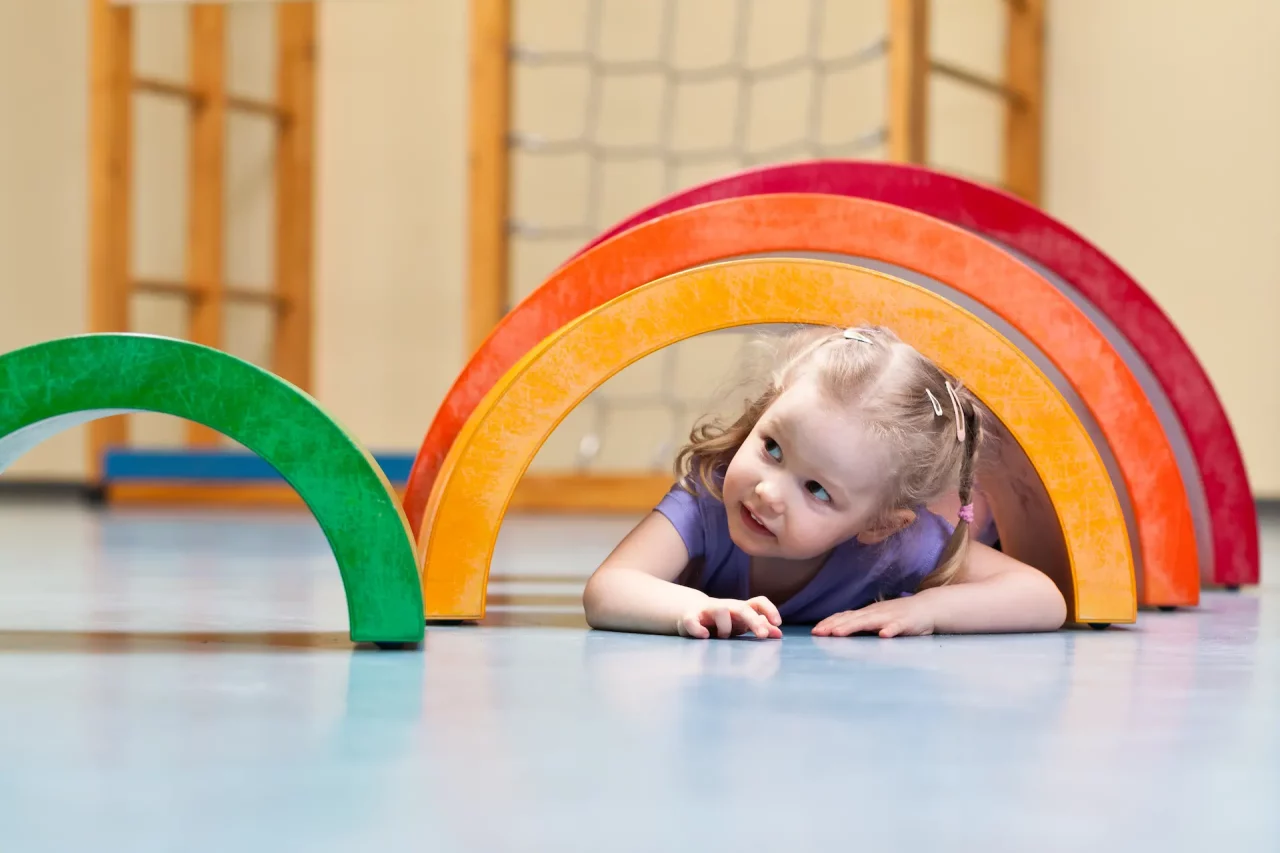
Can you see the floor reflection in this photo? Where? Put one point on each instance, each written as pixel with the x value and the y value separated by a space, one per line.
pixel 184 681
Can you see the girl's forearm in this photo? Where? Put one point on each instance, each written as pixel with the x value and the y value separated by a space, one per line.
pixel 1013 602
pixel 624 599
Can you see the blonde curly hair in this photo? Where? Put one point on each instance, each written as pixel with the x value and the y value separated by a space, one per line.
pixel 902 397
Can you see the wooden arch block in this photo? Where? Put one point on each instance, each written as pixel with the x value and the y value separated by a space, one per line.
pixel 1215 475
pixel 1166 543
pixel 62 383
pixel 1068 522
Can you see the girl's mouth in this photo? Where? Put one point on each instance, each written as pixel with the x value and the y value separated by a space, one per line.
pixel 754 524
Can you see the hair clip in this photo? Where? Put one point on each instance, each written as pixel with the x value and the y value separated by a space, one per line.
pixel 937 407
pixel 955 402
pixel 855 335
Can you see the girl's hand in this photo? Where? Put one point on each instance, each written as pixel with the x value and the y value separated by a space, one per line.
pixel 729 617
pixel 909 616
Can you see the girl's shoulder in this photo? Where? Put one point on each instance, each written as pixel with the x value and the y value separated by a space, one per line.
pixel 926 536
pixel 915 550
pixel 698 516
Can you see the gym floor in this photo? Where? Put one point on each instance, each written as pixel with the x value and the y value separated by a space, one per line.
pixel 177 681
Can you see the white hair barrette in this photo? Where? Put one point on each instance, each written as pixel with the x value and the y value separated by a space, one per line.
pixel 955 402
pixel 855 335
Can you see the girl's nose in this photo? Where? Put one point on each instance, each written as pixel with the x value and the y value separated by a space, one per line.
pixel 768 492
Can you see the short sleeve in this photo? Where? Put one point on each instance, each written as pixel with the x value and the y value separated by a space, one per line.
pixel 990 535
pixel 684 511
pixel 920 547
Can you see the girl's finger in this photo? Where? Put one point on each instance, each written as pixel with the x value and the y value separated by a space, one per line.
pixel 724 622
pixel 841 628
pixel 767 609
pixel 857 623
pixel 754 621
pixel 691 627
pixel 829 625
pixel 760 622
pixel 824 627
pixel 891 629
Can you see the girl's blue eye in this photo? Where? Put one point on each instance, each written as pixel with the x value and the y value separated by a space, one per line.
pixel 771 447
pixel 817 491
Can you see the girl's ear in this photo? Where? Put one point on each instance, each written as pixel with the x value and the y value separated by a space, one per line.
pixel 887 526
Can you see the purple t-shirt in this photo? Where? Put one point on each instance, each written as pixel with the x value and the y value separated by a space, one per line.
pixel 854 576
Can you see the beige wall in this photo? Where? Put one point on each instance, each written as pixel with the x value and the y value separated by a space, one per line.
pixel 1162 121
pixel 43 214
pixel 1141 95
pixel 391 201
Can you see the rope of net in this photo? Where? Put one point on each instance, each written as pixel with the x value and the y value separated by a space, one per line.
pixel 604 404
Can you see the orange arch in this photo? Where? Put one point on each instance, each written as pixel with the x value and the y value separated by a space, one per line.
pixel 852 226
pixel 510 424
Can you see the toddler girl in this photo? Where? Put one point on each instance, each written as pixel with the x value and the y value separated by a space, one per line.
pixel 812 507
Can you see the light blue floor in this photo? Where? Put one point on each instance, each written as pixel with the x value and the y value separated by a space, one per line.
pixel 184 683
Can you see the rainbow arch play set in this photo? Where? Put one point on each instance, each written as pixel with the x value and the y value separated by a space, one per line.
pixel 1119 474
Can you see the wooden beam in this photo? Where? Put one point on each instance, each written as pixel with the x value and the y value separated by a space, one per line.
pixel 488 168
pixel 227 495
pixel 568 578
pixel 110 157
pixel 571 598
pixel 291 356
pixel 1023 120
pixel 570 494
pixel 908 80
pixel 205 183
pixel 589 493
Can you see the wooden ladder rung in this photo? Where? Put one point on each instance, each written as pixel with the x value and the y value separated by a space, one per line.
pixel 230 293
pixel 170 88
pixel 976 80
pixel 258 106
pixel 252 294
pixel 236 103
pixel 165 288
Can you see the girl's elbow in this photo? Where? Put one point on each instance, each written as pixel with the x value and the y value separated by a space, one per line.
pixel 591 602
pixel 595 601
pixel 1057 617
pixel 595 615
pixel 1054 605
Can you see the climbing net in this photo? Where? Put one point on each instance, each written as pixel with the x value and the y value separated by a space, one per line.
pixel 628 101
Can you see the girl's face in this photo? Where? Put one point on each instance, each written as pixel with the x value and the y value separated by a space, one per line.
pixel 807 478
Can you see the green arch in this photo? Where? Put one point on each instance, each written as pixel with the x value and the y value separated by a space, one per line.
pixel 55 385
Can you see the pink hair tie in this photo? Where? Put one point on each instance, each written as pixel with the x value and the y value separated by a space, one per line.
pixel 966 513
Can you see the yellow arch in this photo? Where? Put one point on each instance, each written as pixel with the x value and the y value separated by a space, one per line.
pixel 1067 487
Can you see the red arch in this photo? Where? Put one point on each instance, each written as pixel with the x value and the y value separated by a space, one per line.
pixel 1099 279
